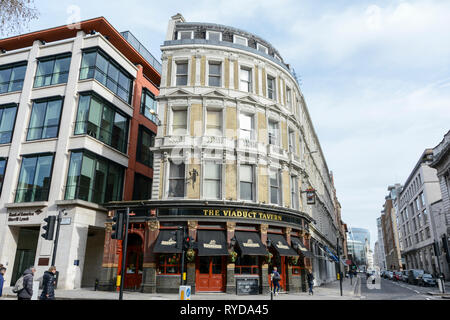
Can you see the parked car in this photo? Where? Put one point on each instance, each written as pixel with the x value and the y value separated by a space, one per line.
pixel 427 279
pixel 397 276
pixel 405 275
pixel 414 275
pixel 390 275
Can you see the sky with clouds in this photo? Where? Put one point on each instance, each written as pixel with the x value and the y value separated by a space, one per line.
pixel 375 74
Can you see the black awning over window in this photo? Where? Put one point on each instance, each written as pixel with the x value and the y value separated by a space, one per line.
pixel 166 242
pixel 301 248
pixel 280 244
pixel 250 243
pixel 212 243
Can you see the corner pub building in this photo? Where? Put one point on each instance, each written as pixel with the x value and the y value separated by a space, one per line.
pixel 234 154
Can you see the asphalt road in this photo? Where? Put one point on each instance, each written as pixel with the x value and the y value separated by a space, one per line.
pixel 384 289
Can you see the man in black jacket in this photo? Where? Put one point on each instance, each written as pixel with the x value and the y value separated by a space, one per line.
pixel 48 284
pixel 27 292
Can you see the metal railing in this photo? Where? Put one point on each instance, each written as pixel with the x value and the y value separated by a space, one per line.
pixel 131 39
pixel 64 78
pixel 103 75
pixel 9 85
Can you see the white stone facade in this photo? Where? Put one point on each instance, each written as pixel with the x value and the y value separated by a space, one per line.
pixel 80 247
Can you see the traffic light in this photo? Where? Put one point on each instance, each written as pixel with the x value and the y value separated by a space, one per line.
pixel 178 237
pixel 436 249
pixel 49 227
pixel 187 243
pixel 117 227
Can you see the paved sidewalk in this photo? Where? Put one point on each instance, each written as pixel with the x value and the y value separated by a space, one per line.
pixel 330 291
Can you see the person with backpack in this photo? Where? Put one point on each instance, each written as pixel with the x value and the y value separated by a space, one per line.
pixel 276 278
pixel 310 279
pixel 2 279
pixel 24 285
pixel 48 284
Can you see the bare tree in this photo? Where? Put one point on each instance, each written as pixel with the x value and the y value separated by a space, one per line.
pixel 15 15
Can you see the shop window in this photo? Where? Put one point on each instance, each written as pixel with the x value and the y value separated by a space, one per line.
pixel 102 121
pixel 45 118
pixel 11 77
pixel 169 264
pixel 246 265
pixel 52 70
pixel 98 65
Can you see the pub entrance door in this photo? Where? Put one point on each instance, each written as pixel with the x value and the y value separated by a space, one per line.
pixel 279 262
pixel 210 274
pixel 133 264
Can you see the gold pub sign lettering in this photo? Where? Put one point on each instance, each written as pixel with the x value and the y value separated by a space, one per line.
pixel 242 214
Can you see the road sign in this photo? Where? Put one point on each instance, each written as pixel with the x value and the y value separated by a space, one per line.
pixel 185 292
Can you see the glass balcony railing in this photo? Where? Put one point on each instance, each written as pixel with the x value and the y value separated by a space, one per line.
pixel 142 50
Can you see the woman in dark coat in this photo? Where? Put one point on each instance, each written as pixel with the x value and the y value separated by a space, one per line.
pixel 310 279
pixel 27 292
pixel 48 284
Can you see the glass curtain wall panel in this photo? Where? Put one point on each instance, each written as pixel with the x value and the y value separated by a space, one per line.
pixel 52 70
pixel 7 121
pixel 34 178
pixel 98 65
pixel 93 178
pixel 11 77
pixel 102 121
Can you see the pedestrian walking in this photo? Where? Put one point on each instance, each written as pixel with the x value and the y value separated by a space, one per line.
pixel 48 284
pixel 310 279
pixel 24 286
pixel 276 278
pixel 2 278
